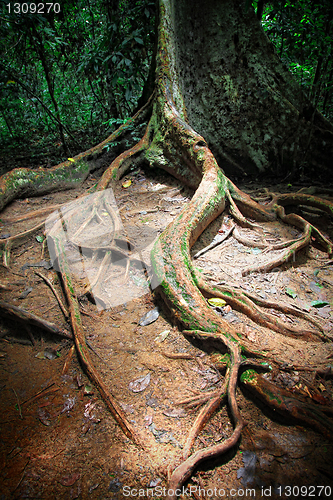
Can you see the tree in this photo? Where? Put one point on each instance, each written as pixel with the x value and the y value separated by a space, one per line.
pixel 222 104
pixel 301 33
pixel 71 67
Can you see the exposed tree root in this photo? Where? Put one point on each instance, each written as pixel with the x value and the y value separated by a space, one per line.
pixel 184 290
pixel 84 356
pixel 55 293
pixel 286 403
pixel 19 314
pixel 121 164
pixel 198 400
pixel 12 241
pixel 22 182
pixel 242 302
pixel 185 469
pixel 205 413
pixel 31 215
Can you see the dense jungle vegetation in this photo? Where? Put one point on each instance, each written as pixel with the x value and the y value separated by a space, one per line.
pixel 70 76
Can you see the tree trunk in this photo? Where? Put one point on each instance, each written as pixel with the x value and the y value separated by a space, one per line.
pixel 237 94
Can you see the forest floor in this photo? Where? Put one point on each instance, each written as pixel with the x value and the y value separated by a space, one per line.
pixel 58 440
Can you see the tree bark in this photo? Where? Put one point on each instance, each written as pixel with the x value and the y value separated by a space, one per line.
pixel 236 93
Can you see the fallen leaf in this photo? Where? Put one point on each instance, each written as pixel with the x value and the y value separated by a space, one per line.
pixel 47 354
pixel 139 384
pixel 149 420
pixel 175 413
pixel 69 404
pixel 216 302
pixel 25 293
pixel 44 416
pixel 291 293
pixel 319 303
pixel 251 336
pixel 162 336
pixel 126 184
pixel 149 317
pixel 69 480
pixel 246 473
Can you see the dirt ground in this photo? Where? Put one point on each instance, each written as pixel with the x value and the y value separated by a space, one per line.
pixel 58 440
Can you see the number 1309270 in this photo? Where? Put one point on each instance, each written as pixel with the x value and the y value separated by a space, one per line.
pixel 33 8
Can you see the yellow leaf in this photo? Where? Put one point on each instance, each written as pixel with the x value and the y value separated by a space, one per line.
pixel 10 81
pixel 71 159
pixel 216 302
pixel 126 184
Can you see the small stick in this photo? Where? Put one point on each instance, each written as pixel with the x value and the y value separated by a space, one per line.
pixel 30 334
pixel 85 313
pixel 23 473
pixel 178 355
pixel 31 214
pixel 219 238
pixel 41 393
pixel 68 360
pixel 18 403
pixel 55 293
pixel 23 251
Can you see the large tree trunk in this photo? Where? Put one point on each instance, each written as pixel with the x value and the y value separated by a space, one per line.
pixel 226 80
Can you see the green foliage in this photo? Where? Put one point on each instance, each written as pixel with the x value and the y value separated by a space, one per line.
pixel 69 78
pixel 302 33
pixel 73 75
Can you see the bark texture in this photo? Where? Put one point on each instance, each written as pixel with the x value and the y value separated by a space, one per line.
pixel 238 95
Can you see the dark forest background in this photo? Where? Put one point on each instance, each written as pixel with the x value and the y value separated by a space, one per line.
pixel 70 75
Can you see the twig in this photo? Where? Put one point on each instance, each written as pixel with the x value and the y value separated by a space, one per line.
pixel 68 360
pixel 219 238
pixel 41 393
pixel 21 479
pixel 178 355
pixel 85 313
pixel 18 403
pixel 55 293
